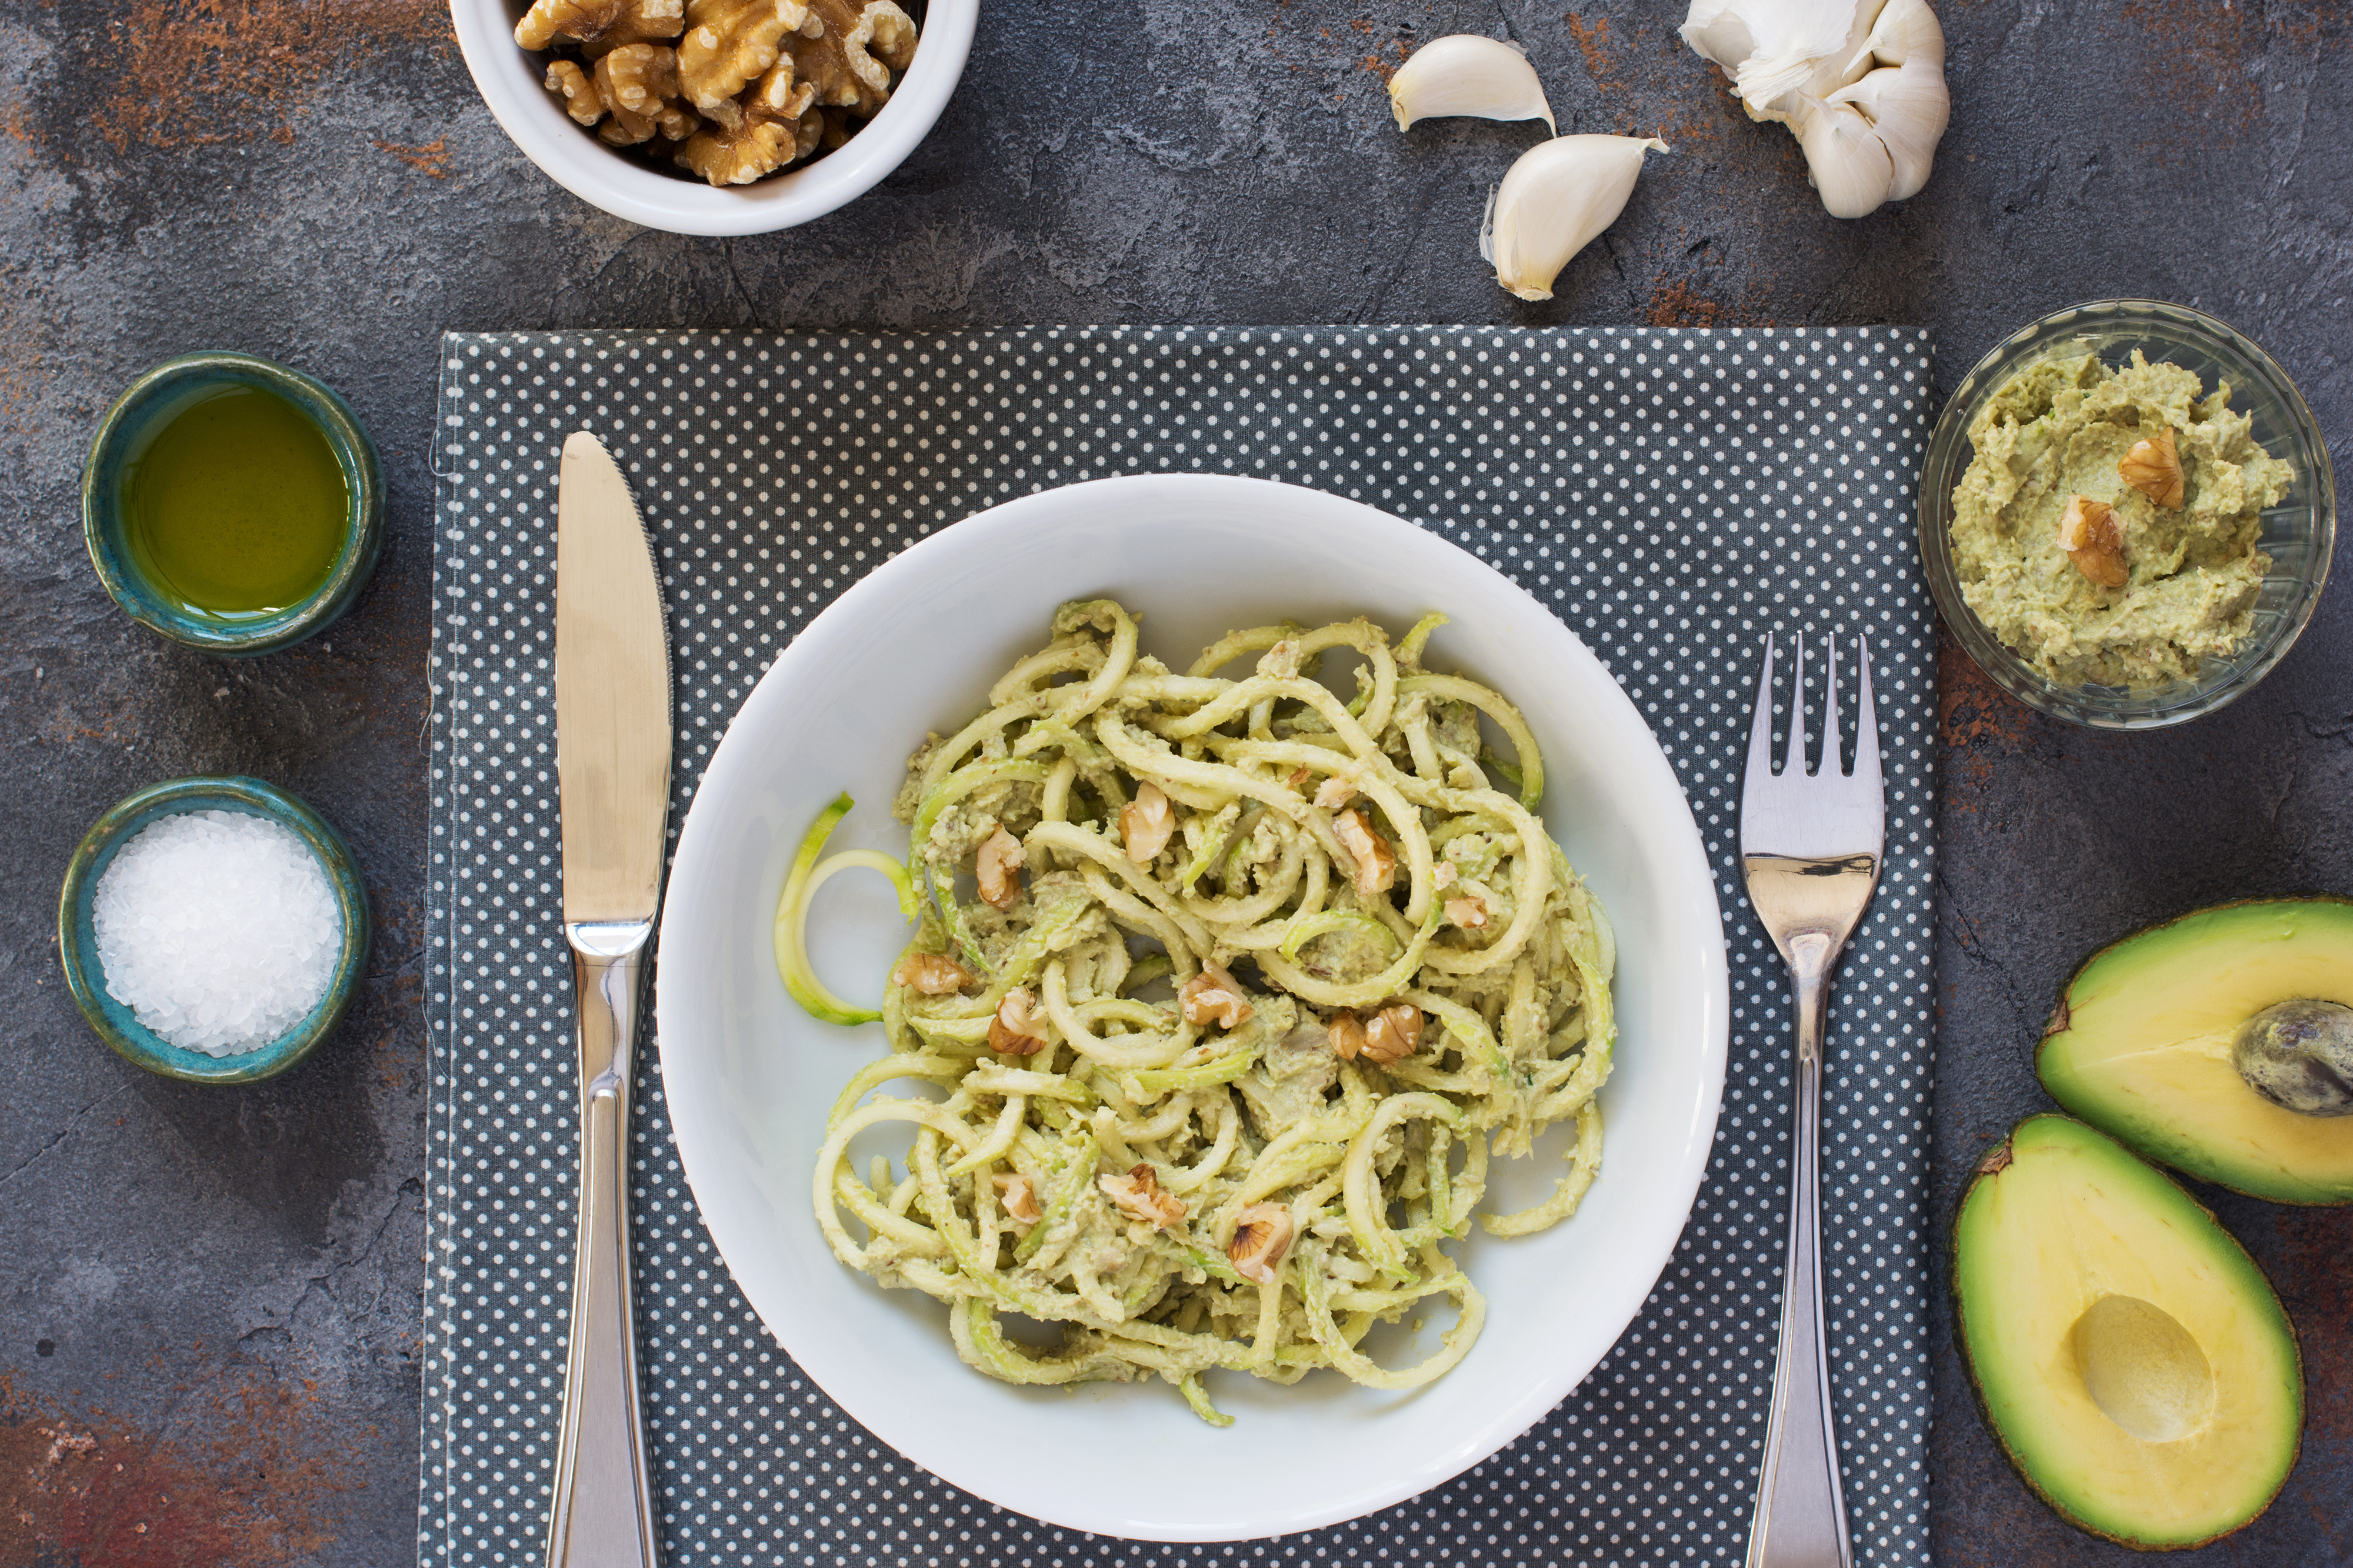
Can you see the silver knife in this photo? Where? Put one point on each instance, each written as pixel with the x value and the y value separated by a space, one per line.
pixel 612 765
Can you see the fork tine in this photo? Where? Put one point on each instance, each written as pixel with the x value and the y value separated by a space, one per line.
pixel 1828 767
pixel 1760 725
pixel 1866 729
pixel 1794 766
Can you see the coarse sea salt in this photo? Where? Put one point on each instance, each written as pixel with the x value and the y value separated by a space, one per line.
pixel 218 929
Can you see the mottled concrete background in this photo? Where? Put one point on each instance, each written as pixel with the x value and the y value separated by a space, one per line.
pixel 209 1299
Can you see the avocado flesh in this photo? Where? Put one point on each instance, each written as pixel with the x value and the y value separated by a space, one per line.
pixel 2140 1045
pixel 2130 1358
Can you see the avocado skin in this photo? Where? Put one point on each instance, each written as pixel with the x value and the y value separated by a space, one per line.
pixel 1997 1159
pixel 2139 1139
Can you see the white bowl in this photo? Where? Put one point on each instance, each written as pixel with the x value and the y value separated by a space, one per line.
pixel 749 1078
pixel 509 79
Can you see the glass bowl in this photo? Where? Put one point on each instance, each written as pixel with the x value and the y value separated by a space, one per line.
pixel 2297 534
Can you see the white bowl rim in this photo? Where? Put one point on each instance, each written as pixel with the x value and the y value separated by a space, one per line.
pixel 684 929
pixel 505 75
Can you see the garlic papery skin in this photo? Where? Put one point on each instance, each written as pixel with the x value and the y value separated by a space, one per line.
pixel 1483 78
pixel 1553 201
pixel 1778 51
pixel 1869 134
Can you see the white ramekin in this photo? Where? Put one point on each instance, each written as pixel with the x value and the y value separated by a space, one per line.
pixel 509 79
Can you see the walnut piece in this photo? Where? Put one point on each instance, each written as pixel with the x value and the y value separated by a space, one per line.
pixel 933 974
pixel 1470 914
pixel 728 43
pixel 1346 1032
pixel 739 155
pixel 1144 825
pixel 635 83
pixel 2153 468
pixel 569 82
pixel 850 62
pixel 1020 1201
pixel 1376 862
pixel 998 868
pixel 1299 777
pixel 1442 875
pixel 1262 1236
pixel 777 96
pixel 1213 996
pixel 1393 1034
pixel 2089 535
pixel 1335 793
pixel 598 25
pixel 1137 1195
pixel 1019 1027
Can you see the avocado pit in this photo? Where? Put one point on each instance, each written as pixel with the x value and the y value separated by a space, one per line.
pixel 2299 1056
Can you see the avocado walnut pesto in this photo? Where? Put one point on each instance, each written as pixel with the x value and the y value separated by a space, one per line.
pixel 2070 453
pixel 1256 980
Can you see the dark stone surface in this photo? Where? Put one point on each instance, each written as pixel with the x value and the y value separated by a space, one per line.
pixel 221 1287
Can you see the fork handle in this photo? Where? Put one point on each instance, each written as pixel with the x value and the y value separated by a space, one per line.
pixel 602 1514
pixel 1801 1510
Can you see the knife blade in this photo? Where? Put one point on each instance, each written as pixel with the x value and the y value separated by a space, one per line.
pixel 612 765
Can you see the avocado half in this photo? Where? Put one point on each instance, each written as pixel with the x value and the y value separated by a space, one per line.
pixel 2129 1357
pixel 2140 1045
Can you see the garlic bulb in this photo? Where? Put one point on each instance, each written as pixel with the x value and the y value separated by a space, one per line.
pixel 1484 78
pixel 1553 201
pixel 1860 83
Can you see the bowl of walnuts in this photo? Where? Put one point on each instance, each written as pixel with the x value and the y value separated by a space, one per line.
pixel 715 116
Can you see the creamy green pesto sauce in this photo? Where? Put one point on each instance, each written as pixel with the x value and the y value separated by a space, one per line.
pixel 2057 429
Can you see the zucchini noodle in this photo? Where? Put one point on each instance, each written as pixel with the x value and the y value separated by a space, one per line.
pixel 1225 991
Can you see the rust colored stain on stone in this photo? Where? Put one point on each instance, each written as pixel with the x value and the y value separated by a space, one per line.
pixel 1593 43
pixel 250 1483
pixel 428 157
pixel 187 73
pixel 1978 721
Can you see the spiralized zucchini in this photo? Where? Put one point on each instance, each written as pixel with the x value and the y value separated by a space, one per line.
pixel 1230 987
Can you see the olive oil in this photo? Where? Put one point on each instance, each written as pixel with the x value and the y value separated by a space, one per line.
pixel 238 508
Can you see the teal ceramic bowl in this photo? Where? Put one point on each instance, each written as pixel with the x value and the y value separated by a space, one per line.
pixel 77 941
pixel 151 403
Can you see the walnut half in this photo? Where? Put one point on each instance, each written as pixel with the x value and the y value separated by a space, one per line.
pixel 933 974
pixel 1213 996
pixel 598 25
pixel 2153 468
pixel 851 60
pixel 1393 1034
pixel 1138 1195
pixel 1262 1236
pixel 998 868
pixel 2089 535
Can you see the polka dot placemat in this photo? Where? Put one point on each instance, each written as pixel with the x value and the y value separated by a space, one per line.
pixel 1673 495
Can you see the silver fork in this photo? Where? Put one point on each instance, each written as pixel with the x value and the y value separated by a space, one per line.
pixel 1810 847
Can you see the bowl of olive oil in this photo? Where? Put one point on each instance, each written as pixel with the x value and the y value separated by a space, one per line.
pixel 231 504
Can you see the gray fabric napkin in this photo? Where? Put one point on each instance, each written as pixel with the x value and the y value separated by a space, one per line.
pixel 1673 495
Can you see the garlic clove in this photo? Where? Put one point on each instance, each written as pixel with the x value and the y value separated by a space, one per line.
pixel 1908 106
pixel 1845 158
pixel 1552 202
pixel 1905 31
pixel 1484 78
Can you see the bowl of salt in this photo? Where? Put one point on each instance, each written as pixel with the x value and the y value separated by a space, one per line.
pixel 212 928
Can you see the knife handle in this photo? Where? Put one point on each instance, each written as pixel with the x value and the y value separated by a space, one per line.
pixel 603 1514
